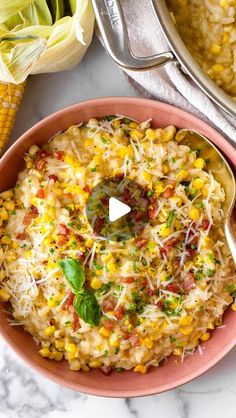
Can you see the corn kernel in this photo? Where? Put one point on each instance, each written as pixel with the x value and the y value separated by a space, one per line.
pixel 186 330
pixel 177 200
pixel 5 240
pixel 151 134
pixel 75 365
pixel 168 133
pixel 215 49
pixel 186 320
pixel 204 192
pixel 148 342
pixel 57 355
pixel 116 124
pixel 164 230
pixel 33 150
pixel 6 195
pixel 60 344
pixel 217 68
pixel 104 332
pixel 4 295
pixel 49 331
pixel 88 142
pixel 140 368
pixel 183 174
pixel 224 3
pixel 199 163
pixel 165 169
pixel 106 257
pixel 136 135
pixel 133 125
pixel 163 277
pixel 113 340
pixel 88 243
pixel 44 352
pixel 194 214
pixel 177 352
pixel 205 336
pixel 95 364
pixel 3 214
pixel 207 242
pixel 146 176
pixel 96 283
pixel 159 189
pixel 71 348
pixel 233 307
pixel 198 184
pixel 111 266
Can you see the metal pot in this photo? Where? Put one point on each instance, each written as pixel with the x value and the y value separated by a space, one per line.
pixel 111 22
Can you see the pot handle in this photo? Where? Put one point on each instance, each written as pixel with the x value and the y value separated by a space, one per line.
pixel 112 25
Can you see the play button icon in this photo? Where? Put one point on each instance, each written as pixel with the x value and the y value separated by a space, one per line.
pixel 117 209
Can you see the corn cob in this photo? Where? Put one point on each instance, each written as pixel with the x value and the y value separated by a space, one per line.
pixel 10 98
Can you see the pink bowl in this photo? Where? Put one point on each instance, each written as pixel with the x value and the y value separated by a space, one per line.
pixel 127 384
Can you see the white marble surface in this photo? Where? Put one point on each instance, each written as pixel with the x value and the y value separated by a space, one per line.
pixel 24 393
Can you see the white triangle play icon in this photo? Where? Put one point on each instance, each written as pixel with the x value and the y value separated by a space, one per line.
pixel 117 209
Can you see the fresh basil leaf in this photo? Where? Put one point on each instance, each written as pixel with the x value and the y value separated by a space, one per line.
pixel 73 272
pixel 87 307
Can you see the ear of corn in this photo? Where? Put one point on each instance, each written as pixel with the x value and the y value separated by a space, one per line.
pixel 10 98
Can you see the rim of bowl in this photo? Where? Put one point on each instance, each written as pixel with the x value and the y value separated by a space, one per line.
pixel 228 150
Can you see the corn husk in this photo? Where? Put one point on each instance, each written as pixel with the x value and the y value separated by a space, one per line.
pixel 31 43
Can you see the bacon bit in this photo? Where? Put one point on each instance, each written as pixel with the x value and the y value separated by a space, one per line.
pixel 153 209
pixel 109 324
pixel 169 192
pixel 188 283
pixel 160 304
pixel 53 177
pixel 141 242
pixel 71 309
pixel 191 252
pixel 59 155
pixel 43 153
pixel 99 223
pixel 68 196
pixel 128 280
pixel 134 339
pixel 21 236
pixel 143 283
pixel 169 245
pixel 126 197
pixel 52 321
pixel 139 215
pixel 119 312
pixel 173 287
pixel 87 189
pixel 205 224
pixel 106 369
pixel 62 239
pixel 40 165
pixel 176 263
pixel 69 301
pixel 125 335
pixel 30 215
pixel 109 303
pixel 104 200
pixel 63 230
pixel 34 210
pixel 151 292
pixel 40 194
pixel 76 323
pixel 133 318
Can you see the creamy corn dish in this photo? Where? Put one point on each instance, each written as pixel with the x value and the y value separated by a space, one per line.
pixel 115 305
pixel 208 28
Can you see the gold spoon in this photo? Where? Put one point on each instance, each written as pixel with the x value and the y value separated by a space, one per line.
pixel 222 172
